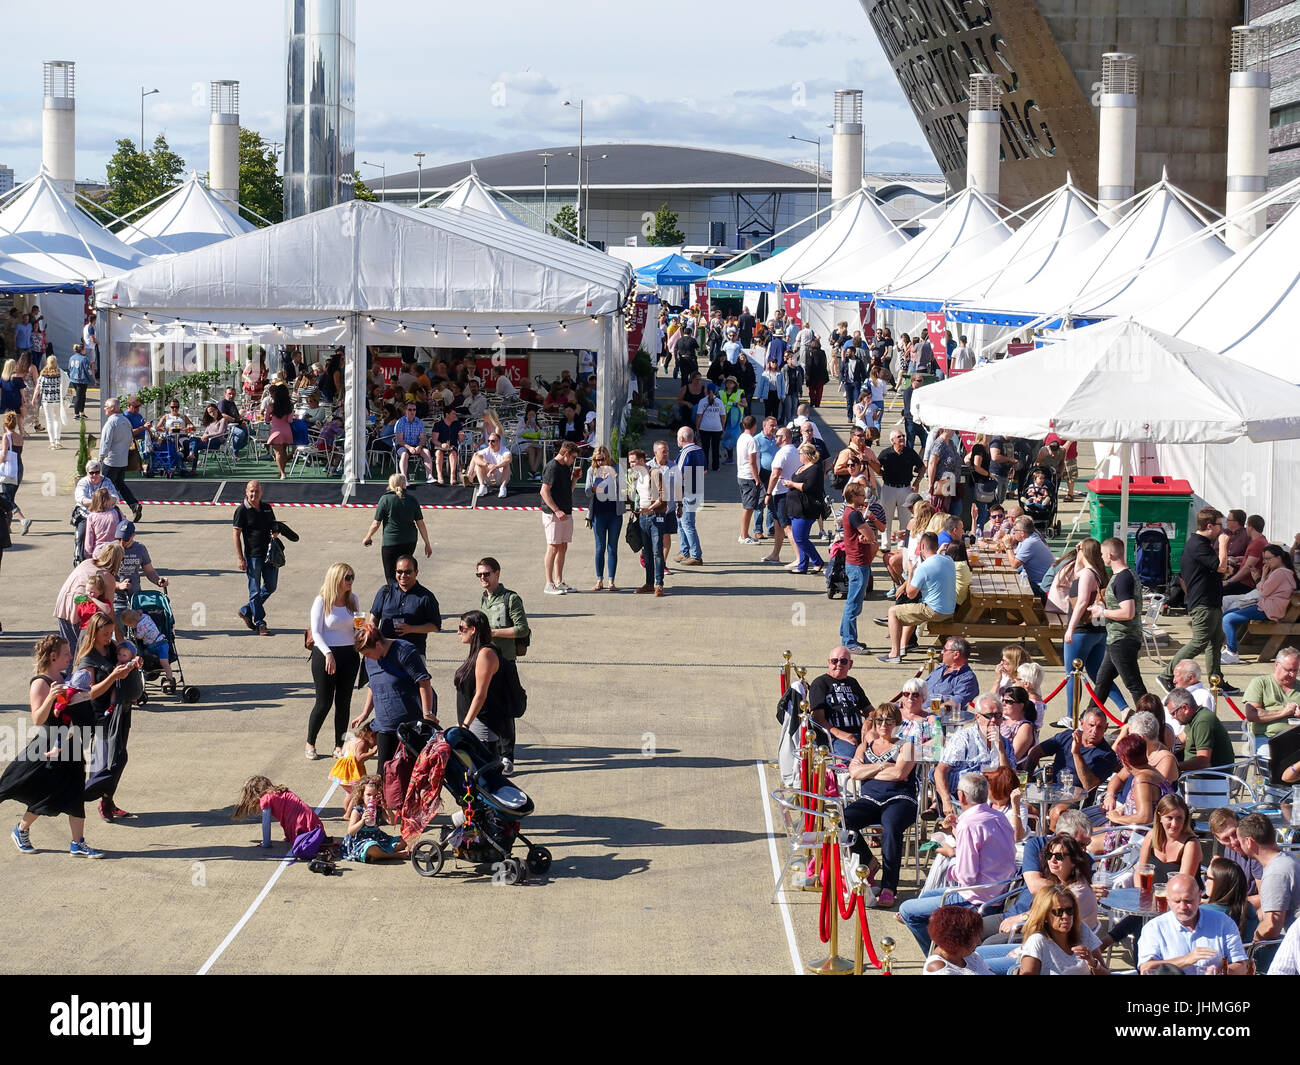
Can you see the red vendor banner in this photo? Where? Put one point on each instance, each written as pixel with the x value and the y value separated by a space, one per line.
pixel 702 297
pixel 867 316
pixel 517 368
pixel 935 326
pixel 1018 349
pixel 793 307
pixel 635 334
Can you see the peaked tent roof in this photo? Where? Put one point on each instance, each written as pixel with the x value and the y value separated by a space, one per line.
pixel 1043 251
pixel 191 217
pixel 15 278
pixel 860 223
pixel 41 230
pixel 672 269
pixel 471 193
pixel 378 257
pixel 969 223
pixel 639 255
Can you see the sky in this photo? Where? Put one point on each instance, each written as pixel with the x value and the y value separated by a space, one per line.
pixel 458 81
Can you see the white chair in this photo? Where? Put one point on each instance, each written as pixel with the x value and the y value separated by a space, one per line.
pixel 1152 607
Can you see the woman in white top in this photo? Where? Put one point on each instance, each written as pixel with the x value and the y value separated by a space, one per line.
pixel 955 932
pixel 1057 941
pixel 710 419
pixel 53 387
pixel 877 387
pixel 334 658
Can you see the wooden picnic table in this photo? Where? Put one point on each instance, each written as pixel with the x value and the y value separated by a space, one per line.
pixel 1276 633
pixel 1001 605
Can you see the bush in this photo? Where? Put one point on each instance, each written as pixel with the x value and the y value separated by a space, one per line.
pixel 83 452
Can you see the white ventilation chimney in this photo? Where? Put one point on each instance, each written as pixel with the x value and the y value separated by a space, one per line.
pixel 1249 86
pixel 223 141
pixel 1117 152
pixel 984 134
pixel 59 123
pixel 846 145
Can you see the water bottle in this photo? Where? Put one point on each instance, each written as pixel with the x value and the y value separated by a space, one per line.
pixel 370 812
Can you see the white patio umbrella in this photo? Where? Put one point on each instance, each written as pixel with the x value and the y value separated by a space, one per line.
pixel 1121 382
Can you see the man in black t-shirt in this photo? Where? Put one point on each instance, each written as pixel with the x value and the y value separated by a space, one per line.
pixel 254 528
pixel 688 362
pixel 839 704
pixel 1205 561
pixel 1002 460
pixel 237 427
pixel 900 470
pixel 745 327
pixel 557 514
pixel 447 435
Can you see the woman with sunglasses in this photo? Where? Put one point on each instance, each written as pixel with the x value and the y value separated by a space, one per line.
pixel 1019 721
pixel 482 697
pixel 885 766
pixel 1057 941
pixel 334 657
pixel 918 724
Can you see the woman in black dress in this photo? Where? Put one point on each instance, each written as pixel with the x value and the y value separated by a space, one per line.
pixel 110 703
pixel 482 697
pixel 805 505
pixel 49 777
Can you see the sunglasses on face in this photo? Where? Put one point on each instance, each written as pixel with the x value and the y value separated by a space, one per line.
pixel 349 576
pixel 1062 913
pixel 1057 856
pixel 483 574
pixel 462 627
pixel 840 661
pixel 990 717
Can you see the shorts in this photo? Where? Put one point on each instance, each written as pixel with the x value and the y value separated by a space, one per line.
pixel 159 650
pixel 918 613
pixel 751 495
pixel 778 508
pixel 557 532
pixel 668 522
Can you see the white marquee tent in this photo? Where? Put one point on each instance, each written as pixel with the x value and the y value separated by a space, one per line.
pixel 375 273
pixel 470 193
pixel 191 217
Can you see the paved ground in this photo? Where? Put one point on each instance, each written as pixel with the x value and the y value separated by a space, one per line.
pixel 645 748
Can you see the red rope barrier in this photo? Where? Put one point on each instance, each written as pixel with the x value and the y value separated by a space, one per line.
pixel 1100 705
pixel 1234 708
pixel 866 936
pixel 856 902
pixel 840 892
pixel 824 916
pixel 1059 687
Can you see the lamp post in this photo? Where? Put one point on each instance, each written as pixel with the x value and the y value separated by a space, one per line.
pixel 818 194
pixel 419 177
pixel 580 106
pixel 586 210
pixel 143 94
pixel 383 188
pixel 546 158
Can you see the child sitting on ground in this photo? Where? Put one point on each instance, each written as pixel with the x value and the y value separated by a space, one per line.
pixel 302 828
pixel 153 641
pixel 365 841
pixel 351 767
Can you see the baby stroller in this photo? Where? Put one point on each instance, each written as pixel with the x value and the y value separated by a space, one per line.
pixel 159 608
pixel 164 457
pixel 484 830
pixel 1043 514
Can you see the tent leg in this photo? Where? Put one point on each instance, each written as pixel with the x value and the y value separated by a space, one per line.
pixel 1124 451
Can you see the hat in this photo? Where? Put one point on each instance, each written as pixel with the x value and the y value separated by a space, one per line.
pixel 1050 439
pixel 80 681
pixel 591 416
pixel 912 499
pixel 713 387
pixel 125 530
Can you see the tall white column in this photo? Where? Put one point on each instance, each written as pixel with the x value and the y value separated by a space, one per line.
pixel 1117 124
pixel 846 145
pixel 59 123
pixel 983 135
pixel 223 141
pixel 1249 87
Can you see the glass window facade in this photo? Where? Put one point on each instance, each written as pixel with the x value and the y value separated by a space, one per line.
pixel 320 104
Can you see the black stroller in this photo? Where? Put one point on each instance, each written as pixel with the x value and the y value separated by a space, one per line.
pixel 1042 513
pixel 159 608
pixel 484 830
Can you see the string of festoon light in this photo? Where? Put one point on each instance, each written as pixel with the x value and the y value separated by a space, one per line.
pixel 416 330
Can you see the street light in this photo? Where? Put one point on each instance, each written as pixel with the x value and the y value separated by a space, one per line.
pixel 143 94
pixel 419 177
pixel 546 158
pixel 818 193
pixel 580 106
pixel 383 189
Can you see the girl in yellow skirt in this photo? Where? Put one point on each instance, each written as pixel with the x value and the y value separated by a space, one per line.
pixel 351 767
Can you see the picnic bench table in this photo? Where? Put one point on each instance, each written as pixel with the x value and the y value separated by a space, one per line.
pixel 1277 631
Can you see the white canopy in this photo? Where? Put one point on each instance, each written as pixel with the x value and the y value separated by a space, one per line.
pixel 1118 381
pixel 1043 252
pixel 860 225
pixel 191 217
pixel 470 193
pixel 970 224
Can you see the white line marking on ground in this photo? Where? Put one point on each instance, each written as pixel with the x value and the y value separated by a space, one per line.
pixel 776 871
pixel 279 869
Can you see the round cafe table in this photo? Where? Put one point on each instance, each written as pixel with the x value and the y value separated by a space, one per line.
pixel 1043 798
pixel 1123 901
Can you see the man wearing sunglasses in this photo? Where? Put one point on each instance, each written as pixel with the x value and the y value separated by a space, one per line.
pixel 405 609
pixel 410 438
pixel 510 636
pixel 974 749
pixel 491 463
pixel 839 704
pixel 87 487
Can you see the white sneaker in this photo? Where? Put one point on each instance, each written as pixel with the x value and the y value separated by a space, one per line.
pixel 1228 658
pixel 502 493
pixel 552 589
pixel 748 541
pixel 481 492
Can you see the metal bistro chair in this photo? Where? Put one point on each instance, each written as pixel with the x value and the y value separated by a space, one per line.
pixel 305 449
pixel 1206 789
pixel 1253 948
pixel 1152 606
pixel 1007 890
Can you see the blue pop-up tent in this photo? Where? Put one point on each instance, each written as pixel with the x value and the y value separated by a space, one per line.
pixel 671 270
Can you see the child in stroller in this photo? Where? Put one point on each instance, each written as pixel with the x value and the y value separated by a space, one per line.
pixel 153 646
pixel 1038 498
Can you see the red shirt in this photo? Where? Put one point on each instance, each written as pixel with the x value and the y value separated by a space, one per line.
pixel 294 815
pixel 855 551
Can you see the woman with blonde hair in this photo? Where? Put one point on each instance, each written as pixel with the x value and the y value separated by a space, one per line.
pixel 402 519
pixel 334 657
pixel 897 561
pixel 11 465
pixel 52 384
pixel 605 514
pixel 1057 940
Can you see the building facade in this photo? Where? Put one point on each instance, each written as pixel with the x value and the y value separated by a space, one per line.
pixel 1047 54
pixel 6 178
pixel 320 104
pixel 1282 17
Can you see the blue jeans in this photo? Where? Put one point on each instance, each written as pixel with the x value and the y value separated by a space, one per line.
pixel 652 539
pixel 800 530
pixel 850 397
pixel 1091 648
pixel 998 957
pixel 877 412
pixel 1235 622
pixel 606 527
pixel 764 518
pixel 240 437
pixel 689 537
pixel 853 603
pixel 916 913
pixel 789 406
pixel 914 431
pixel 262 581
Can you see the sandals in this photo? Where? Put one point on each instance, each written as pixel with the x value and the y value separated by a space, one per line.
pixel 599 586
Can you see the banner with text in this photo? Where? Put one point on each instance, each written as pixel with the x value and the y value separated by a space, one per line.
pixel 517 368
pixel 793 307
pixel 867 316
pixel 934 324
pixel 702 297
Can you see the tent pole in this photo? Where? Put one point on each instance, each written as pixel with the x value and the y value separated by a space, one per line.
pixel 1124 450
pixel 354 420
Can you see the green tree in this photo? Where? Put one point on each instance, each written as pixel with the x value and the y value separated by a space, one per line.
pixel 260 188
pixel 665 233
pixel 135 178
pixel 564 223
pixel 362 191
